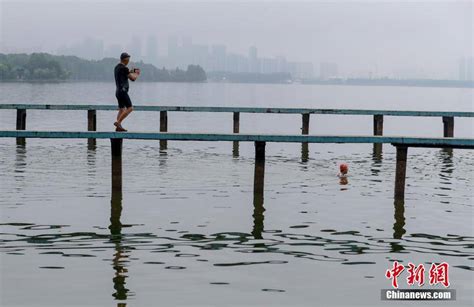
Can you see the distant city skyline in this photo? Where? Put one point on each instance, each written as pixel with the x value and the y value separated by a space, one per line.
pixel 182 51
pixel 400 39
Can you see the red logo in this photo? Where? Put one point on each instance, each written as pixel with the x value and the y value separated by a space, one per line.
pixel 416 274
pixel 438 274
pixel 393 273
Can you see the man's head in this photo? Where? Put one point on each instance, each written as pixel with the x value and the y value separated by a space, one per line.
pixel 343 168
pixel 125 58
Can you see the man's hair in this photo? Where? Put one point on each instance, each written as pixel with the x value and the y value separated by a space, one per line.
pixel 124 55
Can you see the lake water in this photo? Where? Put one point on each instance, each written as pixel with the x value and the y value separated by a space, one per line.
pixel 187 229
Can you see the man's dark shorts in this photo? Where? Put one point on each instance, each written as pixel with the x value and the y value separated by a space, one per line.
pixel 123 99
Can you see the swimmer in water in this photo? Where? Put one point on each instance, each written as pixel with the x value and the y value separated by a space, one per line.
pixel 343 169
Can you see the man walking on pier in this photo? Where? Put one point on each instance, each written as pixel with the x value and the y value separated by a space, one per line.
pixel 122 74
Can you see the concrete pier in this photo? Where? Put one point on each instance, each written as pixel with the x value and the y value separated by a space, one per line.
pixel 378 124
pixel 401 143
pixel 20 124
pixel 448 126
pixel 91 126
pixel 236 129
pixel 116 147
pixel 305 124
pixel 21 119
pixel 378 130
pixel 236 121
pixel 260 151
pixel 258 195
pixel 400 172
pixel 163 128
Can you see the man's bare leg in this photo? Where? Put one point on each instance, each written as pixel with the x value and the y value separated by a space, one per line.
pixel 121 110
pixel 125 113
pixel 119 115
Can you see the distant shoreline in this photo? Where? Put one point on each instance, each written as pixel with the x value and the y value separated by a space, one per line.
pixel 394 82
pixel 400 84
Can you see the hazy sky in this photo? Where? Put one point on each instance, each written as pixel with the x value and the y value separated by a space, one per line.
pixel 358 35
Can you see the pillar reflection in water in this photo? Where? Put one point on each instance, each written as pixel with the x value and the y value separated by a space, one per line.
pixel 258 190
pixel 447 164
pixel 121 253
pixel 377 153
pixel 399 224
pixel 20 165
pixel 91 144
pixel 20 142
pixel 376 160
pixel 304 152
pixel 235 149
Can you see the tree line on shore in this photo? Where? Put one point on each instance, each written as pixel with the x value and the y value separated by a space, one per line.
pixel 48 67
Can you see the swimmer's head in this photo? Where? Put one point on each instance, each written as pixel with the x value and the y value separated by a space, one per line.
pixel 343 168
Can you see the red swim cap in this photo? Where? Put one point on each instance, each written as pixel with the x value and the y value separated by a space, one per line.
pixel 343 168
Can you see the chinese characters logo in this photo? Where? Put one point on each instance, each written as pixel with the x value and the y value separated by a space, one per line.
pixel 438 274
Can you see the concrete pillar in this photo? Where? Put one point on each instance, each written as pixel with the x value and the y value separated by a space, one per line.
pixel 400 172
pixel 116 178
pixel 235 146
pixel 378 124
pixel 91 120
pixel 448 126
pixel 236 122
pixel 21 119
pixel 378 130
pixel 91 126
pixel 260 151
pixel 163 128
pixel 21 125
pixel 258 192
pixel 116 147
pixel 305 127
pixel 305 131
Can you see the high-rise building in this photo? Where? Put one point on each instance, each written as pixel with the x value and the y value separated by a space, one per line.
pixel 113 51
pixel 135 48
pixel 254 61
pixel 151 50
pixel 301 70
pixel 218 57
pixel 282 64
pixel 328 70
pixel 466 72
pixel 269 65
pixel 198 55
pixel 172 46
pixel 232 62
pixel 187 41
pixel 89 48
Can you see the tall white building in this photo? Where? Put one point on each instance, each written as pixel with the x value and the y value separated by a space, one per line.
pixel 254 61
pixel 135 49
pixel 328 70
pixel 151 50
pixel 466 72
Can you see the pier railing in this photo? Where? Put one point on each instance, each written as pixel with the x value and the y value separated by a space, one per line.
pixel 400 142
pixel 378 115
